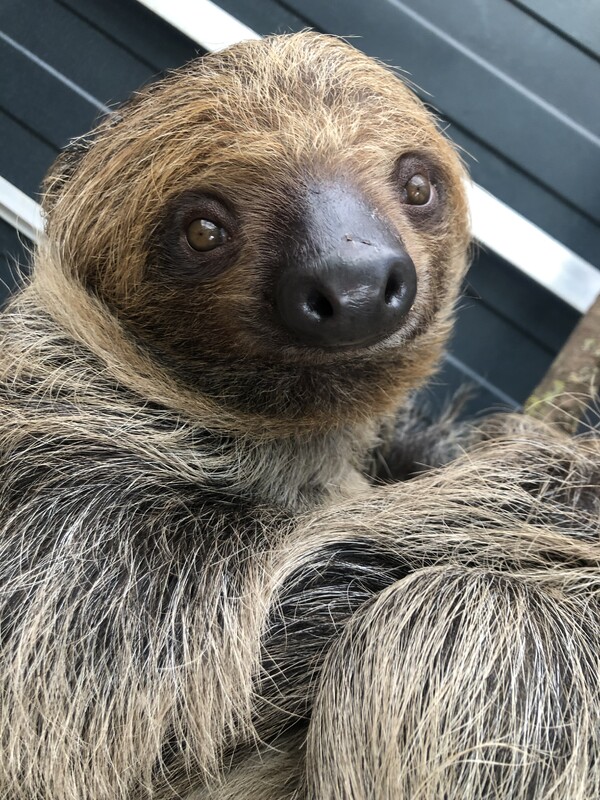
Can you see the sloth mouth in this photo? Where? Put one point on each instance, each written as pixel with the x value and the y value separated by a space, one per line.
pixel 277 348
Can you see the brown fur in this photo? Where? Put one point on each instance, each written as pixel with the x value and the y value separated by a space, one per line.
pixel 202 589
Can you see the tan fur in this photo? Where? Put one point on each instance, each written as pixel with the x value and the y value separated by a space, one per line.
pixel 201 588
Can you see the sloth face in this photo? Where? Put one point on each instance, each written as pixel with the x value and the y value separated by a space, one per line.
pixel 322 262
pixel 284 202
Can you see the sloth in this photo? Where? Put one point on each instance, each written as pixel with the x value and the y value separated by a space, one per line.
pixel 231 564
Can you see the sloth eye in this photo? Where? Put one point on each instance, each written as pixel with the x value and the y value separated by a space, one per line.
pixel 204 235
pixel 417 190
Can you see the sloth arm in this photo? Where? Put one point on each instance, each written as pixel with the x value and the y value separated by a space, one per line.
pixel 153 622
pixel 499 553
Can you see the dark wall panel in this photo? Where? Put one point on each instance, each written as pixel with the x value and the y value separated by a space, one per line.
pixel 136 31
pixel 24 155
pixel 528 195
pixel 498 351
pixel 524 304
pixel 578 21
pixel 41 102
pixel 484 31
pixel 66 71
pixel 456 379
pixel 78 51
pixel 265 16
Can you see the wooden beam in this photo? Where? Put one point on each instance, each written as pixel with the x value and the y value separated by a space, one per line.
pixel 572 383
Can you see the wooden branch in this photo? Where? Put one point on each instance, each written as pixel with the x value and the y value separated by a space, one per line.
pixel 572 382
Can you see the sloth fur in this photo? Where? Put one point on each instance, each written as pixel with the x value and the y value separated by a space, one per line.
pixel 207 589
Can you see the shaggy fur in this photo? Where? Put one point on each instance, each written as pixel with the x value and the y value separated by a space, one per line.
pixel 204 588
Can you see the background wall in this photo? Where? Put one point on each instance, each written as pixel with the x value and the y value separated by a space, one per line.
pixel 517 84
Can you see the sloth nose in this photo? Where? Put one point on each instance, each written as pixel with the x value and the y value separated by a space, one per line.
pixel 356 299
pixel 350 283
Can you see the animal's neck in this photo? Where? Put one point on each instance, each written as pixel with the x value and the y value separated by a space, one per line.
pixel 300 472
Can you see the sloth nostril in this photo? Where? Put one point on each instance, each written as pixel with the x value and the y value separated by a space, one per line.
pixel 318 305
pixel 393 290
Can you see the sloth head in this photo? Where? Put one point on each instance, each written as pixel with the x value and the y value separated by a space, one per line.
pixel 286 207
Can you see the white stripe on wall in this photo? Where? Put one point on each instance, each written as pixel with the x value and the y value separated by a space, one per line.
pixel 202 21
pixel 20 211
pixel 514 238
